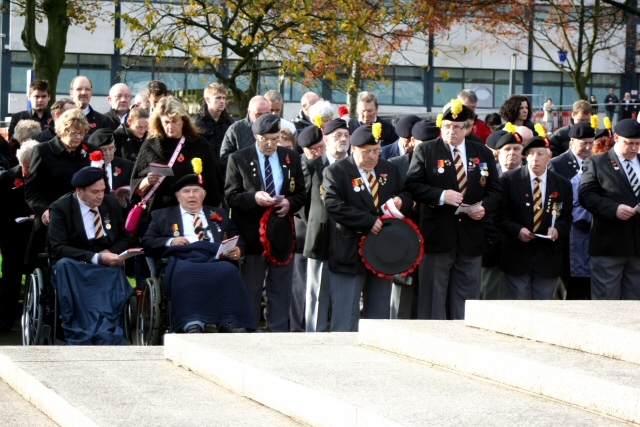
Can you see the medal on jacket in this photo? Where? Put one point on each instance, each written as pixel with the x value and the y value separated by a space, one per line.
pixel 292 185
pixel 484 173
pixel 107 223
pixel 321 189
pixel 358 184
pixel 176 230
pixel 440 166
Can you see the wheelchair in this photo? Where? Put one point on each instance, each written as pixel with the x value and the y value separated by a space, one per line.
pixel 154 310
pixel 41 322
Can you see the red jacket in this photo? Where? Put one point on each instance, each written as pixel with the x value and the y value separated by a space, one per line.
pixel 481 130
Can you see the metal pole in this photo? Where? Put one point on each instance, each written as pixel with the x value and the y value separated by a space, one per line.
pixel 512 75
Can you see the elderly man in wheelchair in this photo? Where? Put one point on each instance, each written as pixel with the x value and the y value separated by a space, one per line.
pixel 86 234
pixel 201 281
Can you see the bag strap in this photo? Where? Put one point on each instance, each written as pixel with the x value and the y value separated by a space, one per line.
pixel 150 193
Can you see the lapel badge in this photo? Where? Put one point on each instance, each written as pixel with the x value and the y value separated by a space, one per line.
pixel 527 204
pixel 356 184
pixel 107 222
pixel 107 226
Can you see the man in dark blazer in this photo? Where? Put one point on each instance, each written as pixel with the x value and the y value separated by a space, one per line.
pixel 118 170
pixel 86 235
pixel 532 196
pixel 350 189
pixel 444 174
pixel 581 139
pixel 248 193
pixel 610 191
pixel 404 288
pixel 316 245
pixel 404 144
pixel 367 109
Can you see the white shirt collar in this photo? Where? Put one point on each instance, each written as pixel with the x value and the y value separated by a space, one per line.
pixel 542 177
pixel 87 110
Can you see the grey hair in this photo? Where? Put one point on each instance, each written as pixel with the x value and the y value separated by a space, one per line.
pixel 25 129
pixel 469 95
pixel 321 108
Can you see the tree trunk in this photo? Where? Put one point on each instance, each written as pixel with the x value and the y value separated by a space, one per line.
pixel 355 78
pixel 47 59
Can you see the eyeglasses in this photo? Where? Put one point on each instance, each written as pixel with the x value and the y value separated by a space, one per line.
pixel 76 134
pixel 371 153
pixel 456 128
pixel 340 135
pixel 264 140
pixel 318 150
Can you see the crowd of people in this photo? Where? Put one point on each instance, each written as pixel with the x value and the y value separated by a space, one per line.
pixel 502 209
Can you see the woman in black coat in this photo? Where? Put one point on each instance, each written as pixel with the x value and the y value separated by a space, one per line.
pixel 169 122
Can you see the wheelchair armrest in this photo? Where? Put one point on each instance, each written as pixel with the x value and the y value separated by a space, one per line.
pixel 44 255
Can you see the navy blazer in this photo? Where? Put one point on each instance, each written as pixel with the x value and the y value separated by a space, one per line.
pixel 390 151
pixel 565 164
pixel 539 255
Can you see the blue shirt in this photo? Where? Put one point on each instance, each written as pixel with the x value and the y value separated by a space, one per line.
pixel 276 169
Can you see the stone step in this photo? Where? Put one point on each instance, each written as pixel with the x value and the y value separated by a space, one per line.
pixel 17 412
pixel 606 328
pixel 596 383
pixel 123 386
pixel 329 380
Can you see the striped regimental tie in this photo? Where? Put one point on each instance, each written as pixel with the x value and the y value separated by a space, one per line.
pixel 269 186
pixel 462 177
pixel 197 222
pixel 373 185
pixel 97 223
pixel 537 204
pixel 633 178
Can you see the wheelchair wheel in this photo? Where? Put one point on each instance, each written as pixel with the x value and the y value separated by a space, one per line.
pixel 33 311
pixel 150 326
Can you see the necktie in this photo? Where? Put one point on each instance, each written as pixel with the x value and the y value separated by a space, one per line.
pixel 537 204
pixel 633 178
pixel 197 222
pixel 462 177
pixel 97 223
pixel 373 186
pixel 269 186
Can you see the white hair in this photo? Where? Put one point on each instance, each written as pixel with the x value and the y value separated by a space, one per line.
pixel 322 108
pixel 24 152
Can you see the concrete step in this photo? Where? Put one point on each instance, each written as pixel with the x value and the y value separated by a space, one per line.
pixel 606 328
pixel 123 386
pixel 329 380
pixel 592 382
pixel 17 412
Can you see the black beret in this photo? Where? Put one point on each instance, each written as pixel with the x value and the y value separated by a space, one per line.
pixel 102 136
pixel 334 125
pixel 185 181
pixel 363 136
pixel 309 136
pixel 535 142
pixel 582 130
pixel 405 125
pixel 462 116
pixel 425 131
pixel 267 123
pixel 603 132
pixel 627 128
pixel 492 139
pixel 87 176
pixel 508 138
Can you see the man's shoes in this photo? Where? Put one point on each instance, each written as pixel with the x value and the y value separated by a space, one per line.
pixel 194 329
pixel 231 328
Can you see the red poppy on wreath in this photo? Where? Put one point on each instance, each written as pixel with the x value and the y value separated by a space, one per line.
pixel 18 183
pixel 554 195
pixel 287 159
pixel 118 171
pixel 181 158
pixel 215 216
pixel 476 161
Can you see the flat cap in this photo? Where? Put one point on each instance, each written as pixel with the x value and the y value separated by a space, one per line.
pixel 309 136
pixel 333 125
pixel 100 137
pixel 363 136
pixel 582 130
pixel 87 176
pixel 267 123
pixel 425 131
pixel 405 125
pixel 627 128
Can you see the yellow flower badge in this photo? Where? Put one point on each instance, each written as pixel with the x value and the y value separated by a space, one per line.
pixel 376 130
pixel 197 165
pixel 594 122
pixel 540 130
pixel 456 108
pixel 509 127
pixel 317 120
pixel 439 120
pixel 607 123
